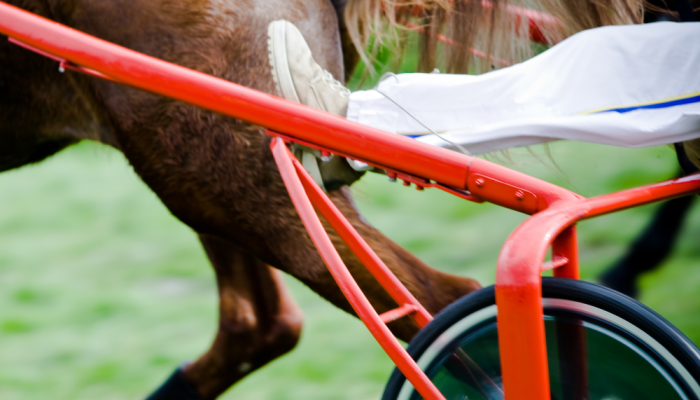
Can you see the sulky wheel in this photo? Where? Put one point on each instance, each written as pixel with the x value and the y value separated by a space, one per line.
pixel 601 345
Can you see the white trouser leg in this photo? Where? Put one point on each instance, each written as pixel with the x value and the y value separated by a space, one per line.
pixel 556 94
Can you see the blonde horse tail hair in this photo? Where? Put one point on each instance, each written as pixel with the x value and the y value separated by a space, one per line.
pixel 474 36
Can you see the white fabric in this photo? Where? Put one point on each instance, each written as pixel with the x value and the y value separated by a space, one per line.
pixel 556 94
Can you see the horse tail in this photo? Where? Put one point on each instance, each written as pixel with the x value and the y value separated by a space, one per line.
pixel 474 36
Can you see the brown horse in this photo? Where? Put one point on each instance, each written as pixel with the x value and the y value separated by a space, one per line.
pixel 214 173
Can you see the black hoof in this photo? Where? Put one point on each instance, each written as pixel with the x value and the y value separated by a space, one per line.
pixel 175 388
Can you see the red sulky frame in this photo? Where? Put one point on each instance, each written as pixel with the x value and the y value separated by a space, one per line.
pixel 518 289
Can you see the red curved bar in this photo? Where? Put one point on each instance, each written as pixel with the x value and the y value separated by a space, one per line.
pixel 345 281
pixel 538 22
pixel 518 291
pixel 518 288
pixel 152 74
pixel 364 253
pixel 303 123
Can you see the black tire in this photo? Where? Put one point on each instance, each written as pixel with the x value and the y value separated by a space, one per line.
pixel 616 329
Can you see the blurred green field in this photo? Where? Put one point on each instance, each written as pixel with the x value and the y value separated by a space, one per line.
pixel 103 292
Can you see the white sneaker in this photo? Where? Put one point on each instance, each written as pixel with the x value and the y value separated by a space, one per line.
pixel 297 76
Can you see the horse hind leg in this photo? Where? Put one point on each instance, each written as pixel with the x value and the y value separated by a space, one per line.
pixel 432 288
pixel 258 322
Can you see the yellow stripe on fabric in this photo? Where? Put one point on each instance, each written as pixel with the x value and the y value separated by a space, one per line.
pixel 666 100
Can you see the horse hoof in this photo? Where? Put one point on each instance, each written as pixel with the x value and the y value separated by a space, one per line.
pixel 175 388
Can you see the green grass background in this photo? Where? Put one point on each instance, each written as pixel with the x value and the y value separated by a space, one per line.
pixel 103 293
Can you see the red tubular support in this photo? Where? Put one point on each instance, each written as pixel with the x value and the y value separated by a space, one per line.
pixel 451 42
pixel 357 244
pixel 518 288
pixel 344 279
pixel 518 291
pixel 512 189
pixel 63 64
pixel 556 262
pixel 302 123
pixel 397 313
pixel 538 22
pixel 565 246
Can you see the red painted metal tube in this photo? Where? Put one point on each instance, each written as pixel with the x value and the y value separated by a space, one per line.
pixel 518 288
pixel 500 185
pixel 295 120
pixel 62 64
pixel 148 73
pixel 399 312
pixel 449 41
pixel 538 22
pixel 521 332
pixel 344 279
pixel 556 262
pixel 565 246
pixel 357 244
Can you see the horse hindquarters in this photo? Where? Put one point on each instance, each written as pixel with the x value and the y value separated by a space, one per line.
pixel 42 110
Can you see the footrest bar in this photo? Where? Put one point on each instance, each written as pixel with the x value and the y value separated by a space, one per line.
pixel 556 262
pixel 393 315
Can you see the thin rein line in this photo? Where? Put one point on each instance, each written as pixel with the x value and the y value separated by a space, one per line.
pixel 391 74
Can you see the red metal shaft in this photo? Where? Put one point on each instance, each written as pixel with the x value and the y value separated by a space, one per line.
pixel 518 288
pixel 344 279
pixel 148 73
pixel 357 244
pixel 566 246
pixel 295 120
pixel 521 331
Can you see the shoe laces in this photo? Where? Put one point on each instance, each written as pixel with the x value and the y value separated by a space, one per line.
pixel 335 84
